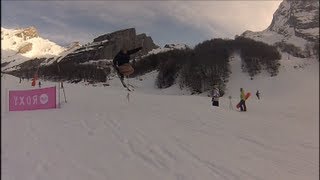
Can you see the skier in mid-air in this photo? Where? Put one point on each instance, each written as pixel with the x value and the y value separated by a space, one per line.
pixel 121 62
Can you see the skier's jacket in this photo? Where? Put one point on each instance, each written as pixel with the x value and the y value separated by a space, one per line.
pixel 215 94
pixel 123 58
pixel 242 95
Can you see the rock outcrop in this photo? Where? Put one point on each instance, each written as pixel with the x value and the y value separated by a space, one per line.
pixel 108 45
pixel 299 18
pixel 28 33
pixel 294 28
pixel 25 48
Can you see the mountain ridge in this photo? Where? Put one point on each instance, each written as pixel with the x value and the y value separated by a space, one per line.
pixel 294 28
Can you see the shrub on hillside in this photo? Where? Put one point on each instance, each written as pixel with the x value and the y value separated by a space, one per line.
pixel 257 56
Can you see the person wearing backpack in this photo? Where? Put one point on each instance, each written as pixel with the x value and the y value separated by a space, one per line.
pixel 215 96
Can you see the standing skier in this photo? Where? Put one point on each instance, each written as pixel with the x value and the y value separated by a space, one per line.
pixel 215 96
pixel 258 94
pixel 242 103
pixel 121 62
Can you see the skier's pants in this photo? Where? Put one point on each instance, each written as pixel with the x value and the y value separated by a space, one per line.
pixel 243 106
pixel 215 103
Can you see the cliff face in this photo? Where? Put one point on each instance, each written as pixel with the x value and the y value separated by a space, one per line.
pixel 294 28
pixel 108 45
pixel 299 18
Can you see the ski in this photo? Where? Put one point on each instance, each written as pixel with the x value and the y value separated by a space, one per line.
pixel 124 85
pixel 122 80
pixel 129 85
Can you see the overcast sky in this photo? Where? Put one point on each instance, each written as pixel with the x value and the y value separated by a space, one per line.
pixel 189 22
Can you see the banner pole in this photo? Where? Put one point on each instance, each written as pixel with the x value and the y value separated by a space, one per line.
pixel 58 95
pixel 6 100
pixel 64 93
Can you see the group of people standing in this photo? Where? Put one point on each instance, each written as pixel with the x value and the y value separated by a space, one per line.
pixel 215 94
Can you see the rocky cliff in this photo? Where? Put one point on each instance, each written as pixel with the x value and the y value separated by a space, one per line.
pixel 294 28
pixel 108 45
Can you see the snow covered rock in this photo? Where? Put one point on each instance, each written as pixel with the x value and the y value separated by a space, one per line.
pixel 167 47
pixel 21 45
pixel 28 33
pixel 295 23
pixel 25 48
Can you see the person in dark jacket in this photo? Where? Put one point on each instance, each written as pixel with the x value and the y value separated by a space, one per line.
pixel 243 106
pixel 258 94
pixel 121 61
pixel 215 96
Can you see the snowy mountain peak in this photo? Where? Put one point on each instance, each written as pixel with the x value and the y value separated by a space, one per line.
pixel 27 33
pixel 295 23
pixel 299 18
pixel 14 40
pixel 20 45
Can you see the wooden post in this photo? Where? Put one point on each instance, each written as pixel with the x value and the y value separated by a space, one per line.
pixel 128 97
pixel 128 94
pixel 230 103
pixel 65 99
pixel 6 99
pixel 58 96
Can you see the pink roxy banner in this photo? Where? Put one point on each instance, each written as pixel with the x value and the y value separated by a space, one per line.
pixel 21 100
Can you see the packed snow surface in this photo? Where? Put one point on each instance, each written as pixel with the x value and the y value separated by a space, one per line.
pixel 168 134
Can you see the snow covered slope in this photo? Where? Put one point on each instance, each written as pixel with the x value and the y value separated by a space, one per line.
pixel 100 135
pixel 12 41
pixel 166 48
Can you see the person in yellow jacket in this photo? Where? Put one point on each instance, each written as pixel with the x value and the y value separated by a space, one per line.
pixel 243 106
